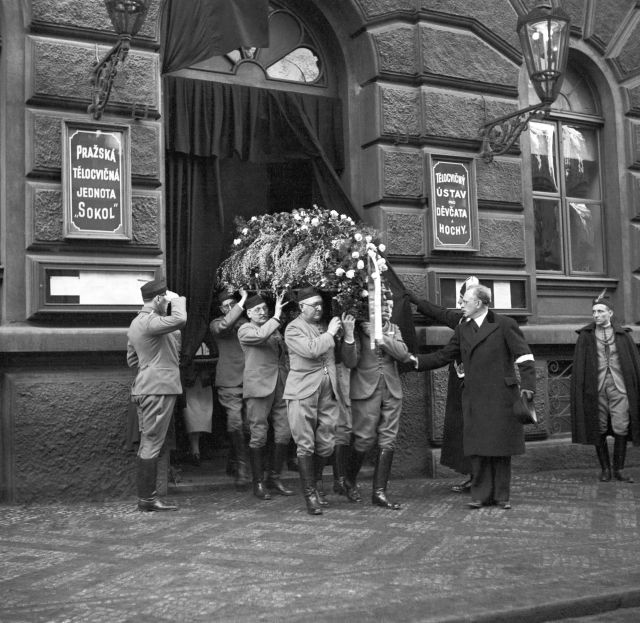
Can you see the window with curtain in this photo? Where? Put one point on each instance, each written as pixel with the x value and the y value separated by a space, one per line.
pixel 566 173
pixel 293 54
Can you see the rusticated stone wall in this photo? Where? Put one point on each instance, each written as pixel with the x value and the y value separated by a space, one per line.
pixel 68 434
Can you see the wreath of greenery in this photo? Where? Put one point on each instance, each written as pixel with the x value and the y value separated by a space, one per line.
pixel 287 251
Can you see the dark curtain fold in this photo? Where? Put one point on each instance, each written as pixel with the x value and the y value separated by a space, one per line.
pixel 210 122
pixel 223 120
pixel 195 30
pixel 194 221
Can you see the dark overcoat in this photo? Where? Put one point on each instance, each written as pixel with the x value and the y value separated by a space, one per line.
pixel 490 383
pixel 584 384
pixel 452 452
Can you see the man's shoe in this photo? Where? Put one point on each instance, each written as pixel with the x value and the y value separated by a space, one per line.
pixel 618 475
pixel 320 494
pixel 474 504
pixel 338 486
pixel 154 504
pixel 463 487
pixel 260 490
pixel 505 505
pixel 379 498
pixel 353 492
pixel 605 475
pixel 274 483
pixel 311 499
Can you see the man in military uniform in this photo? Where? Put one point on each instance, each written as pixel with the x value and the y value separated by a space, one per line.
pixel 605 388
pixel 229 373
pixel 265 373
pixel 311 392
pixel 154 342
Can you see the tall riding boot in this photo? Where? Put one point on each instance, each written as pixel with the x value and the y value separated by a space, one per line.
pixel 241 462
pixel 380 479
pixel 279 456
pixel 306 469
pixel 602 450
pixel 319 462
pixel 619 455
pixel 257 468
pixel 147 473
pixel 340 462
pixel 354 464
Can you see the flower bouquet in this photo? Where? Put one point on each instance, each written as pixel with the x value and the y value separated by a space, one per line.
pixel 314 247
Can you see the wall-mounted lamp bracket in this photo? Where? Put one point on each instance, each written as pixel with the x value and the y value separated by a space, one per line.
pixel 499 135
pixel 103 75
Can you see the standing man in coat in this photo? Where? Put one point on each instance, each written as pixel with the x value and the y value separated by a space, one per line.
pixel 229 373
pixel 605 389
pixel 376 402
pixel 265 373
pixel 452 454
pixel 488 346
pixel 311 392
pixel 153 346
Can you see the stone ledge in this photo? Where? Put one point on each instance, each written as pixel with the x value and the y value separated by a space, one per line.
pixel 551 334
pixel 21 339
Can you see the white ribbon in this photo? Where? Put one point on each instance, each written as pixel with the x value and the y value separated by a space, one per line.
pixel 375 299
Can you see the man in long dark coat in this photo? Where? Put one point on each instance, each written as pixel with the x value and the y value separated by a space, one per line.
pixel 488 345
pixel 452 452
pixel 605 388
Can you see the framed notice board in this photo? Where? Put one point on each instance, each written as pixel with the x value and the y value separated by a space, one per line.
pixel 96 180
pixel 454 207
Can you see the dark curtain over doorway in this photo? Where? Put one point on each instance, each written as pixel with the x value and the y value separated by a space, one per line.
pixel 195 30
pixel 210 125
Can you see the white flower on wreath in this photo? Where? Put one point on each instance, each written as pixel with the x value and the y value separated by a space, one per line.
pixel 254 218
pixel 343 217
pixel 382 248
pixel 339 271
pixel 245 231
pixel 236 242
pixel 364 294
pixel 358 236
pixel 368 239
pixel 350 274
pixel 355 255
pixel 333 214
pixel 296 216
pixel 360 265
pixel 315 221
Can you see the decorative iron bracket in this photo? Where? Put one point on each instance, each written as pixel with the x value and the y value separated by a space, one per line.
pixel 500 134
pixel 103 75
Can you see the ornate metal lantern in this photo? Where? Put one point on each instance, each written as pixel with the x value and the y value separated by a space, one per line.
pixel 127 17
pixel 544 36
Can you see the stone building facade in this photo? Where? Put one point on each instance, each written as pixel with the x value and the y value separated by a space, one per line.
pixel 415 80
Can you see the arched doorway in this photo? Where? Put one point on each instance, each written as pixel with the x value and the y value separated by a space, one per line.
pixel 251 132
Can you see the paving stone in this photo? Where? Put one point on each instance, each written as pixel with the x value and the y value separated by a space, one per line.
pixel 569 547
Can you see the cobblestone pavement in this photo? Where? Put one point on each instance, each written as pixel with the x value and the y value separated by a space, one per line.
pixel 569 547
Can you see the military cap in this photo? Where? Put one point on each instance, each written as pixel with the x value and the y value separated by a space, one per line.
pixel 253 301
pixel 602 299
pixel 152 288
pixel 307 293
